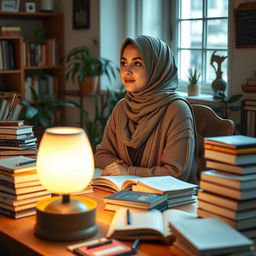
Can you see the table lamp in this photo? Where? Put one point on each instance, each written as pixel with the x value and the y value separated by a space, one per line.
pixel 65 165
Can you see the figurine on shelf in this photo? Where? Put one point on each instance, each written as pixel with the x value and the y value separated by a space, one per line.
pixel 218 84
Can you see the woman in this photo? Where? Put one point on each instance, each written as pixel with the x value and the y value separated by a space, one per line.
pixel 151 132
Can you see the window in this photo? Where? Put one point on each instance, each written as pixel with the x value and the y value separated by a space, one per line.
pixel 201 28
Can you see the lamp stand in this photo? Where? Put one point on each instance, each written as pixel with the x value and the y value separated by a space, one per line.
pixel 66 218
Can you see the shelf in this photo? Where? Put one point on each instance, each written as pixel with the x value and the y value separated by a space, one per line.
pixel 29 15
pixel 43 67
pixel 15 71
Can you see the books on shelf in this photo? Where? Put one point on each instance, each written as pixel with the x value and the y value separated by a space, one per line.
pixel 23 129
pixel 230 168
pixel 209 236
pixel 10 30
pixel 142 226
pixel 157 184
pixel 139 200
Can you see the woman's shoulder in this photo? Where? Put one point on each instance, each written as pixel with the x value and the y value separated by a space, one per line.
pixel 180 104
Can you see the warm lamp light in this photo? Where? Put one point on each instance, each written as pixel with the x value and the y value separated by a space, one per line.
pixel 65 165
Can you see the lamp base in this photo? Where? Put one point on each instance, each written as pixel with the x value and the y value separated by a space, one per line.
pixel 63 225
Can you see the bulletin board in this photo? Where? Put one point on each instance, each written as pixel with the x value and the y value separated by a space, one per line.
pixel 245 25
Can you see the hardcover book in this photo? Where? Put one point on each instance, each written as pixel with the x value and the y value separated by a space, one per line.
pixel 142 226
pixel 136 199
pixel 23 129
pixel 17 164
pixel 233 141
pixel 18 177
pixel 209 236
pixel 228 192
pixel 236 169
pixel 230 180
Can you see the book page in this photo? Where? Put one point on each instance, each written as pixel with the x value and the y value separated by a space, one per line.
pixel 114 182
pixel 164 184
pixel 140 220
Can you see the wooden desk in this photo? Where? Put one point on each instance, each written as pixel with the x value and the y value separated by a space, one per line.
pixel 17 236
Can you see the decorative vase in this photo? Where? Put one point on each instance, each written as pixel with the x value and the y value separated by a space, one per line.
pixel 193 90
pixel 47 5
pixel 218 84
pixel 90 85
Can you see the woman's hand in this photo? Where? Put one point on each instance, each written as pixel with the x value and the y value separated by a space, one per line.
pixel 115 168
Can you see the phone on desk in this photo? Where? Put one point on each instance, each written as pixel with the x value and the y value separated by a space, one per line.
pixel 104 247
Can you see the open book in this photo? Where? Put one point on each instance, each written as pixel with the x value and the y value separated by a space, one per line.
pixel 142 226
pixel 157 184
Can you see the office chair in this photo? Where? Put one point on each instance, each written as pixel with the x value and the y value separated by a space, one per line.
pixel 208 124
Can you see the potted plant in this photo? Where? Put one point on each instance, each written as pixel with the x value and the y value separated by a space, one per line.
pixel 193 78
pixel 40 111
pixel 85 68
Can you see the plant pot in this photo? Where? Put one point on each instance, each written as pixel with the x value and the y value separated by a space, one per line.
pixel 193 90
pixel 89 85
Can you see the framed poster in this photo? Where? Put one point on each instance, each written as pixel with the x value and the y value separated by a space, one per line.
pixel 10 5
pixel 245 25
pixel 81 14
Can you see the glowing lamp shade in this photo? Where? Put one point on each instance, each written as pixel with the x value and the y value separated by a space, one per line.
pixel 65 165
pixel 65 160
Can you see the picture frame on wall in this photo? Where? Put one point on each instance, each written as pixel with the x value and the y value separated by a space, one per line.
pixel 30 7
pixel 81 14
pixel 10 5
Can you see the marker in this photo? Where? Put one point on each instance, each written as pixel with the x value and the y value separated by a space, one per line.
pixel 128 216
pixel 135 244
pixel 99 244
pixel 26 162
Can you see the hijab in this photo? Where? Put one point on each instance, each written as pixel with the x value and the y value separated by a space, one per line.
pixel 143 109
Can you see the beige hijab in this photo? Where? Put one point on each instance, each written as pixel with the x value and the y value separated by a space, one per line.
pixel 143 109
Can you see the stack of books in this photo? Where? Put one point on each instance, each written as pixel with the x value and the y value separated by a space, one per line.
pixel 20 188
pixel 208 236
pixel 249 113
pixel 17 139
pixel 229 190
pixel 178 192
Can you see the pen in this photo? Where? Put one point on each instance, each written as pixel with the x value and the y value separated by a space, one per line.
pixel 99 244
pixel 135 244
pixel 26 162
pixel 128 216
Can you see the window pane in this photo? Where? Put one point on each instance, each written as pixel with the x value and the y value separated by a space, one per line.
pixel 191 34
pixel 191 9
pixel 217 8
pixel 210 72
pixel 188 59
pixel 217 33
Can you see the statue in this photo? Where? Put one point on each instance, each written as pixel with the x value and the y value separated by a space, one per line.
pixel 218 84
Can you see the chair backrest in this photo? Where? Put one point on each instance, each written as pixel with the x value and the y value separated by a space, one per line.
pixel 208 124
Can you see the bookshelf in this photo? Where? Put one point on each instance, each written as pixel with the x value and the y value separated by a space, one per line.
pixel 13 80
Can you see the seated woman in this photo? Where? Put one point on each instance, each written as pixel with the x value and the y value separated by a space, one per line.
pixel 151 131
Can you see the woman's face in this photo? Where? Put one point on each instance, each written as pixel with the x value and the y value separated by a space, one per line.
pixel 132 69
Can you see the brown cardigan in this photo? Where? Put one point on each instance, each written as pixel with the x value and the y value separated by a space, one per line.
pixel 169 150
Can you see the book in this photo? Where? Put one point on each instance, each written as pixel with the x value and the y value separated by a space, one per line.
pixel 9 152
pixel 142 226
pixel 16 137
pixel 209 236
pixel 237 224
pixel 18 177
pixel 23 129
pixel 103 247
pixel 12 123
pixel 157 184
pixel 19 207
pixel 16 203
pixel 20 184
pixel 20 191
pixel 136 199
pixel 20 147
pixel 228 192
pixel 18 141
pixel 233 151
pixel 235 215
pixel 232 141
pixel 230 158
pixel 24 196
pixel 230 180
pixel 19 214
pixel 236 169
pixel 235 205
pixel 11 164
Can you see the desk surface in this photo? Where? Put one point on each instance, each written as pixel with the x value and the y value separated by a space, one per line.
pixel 19 234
